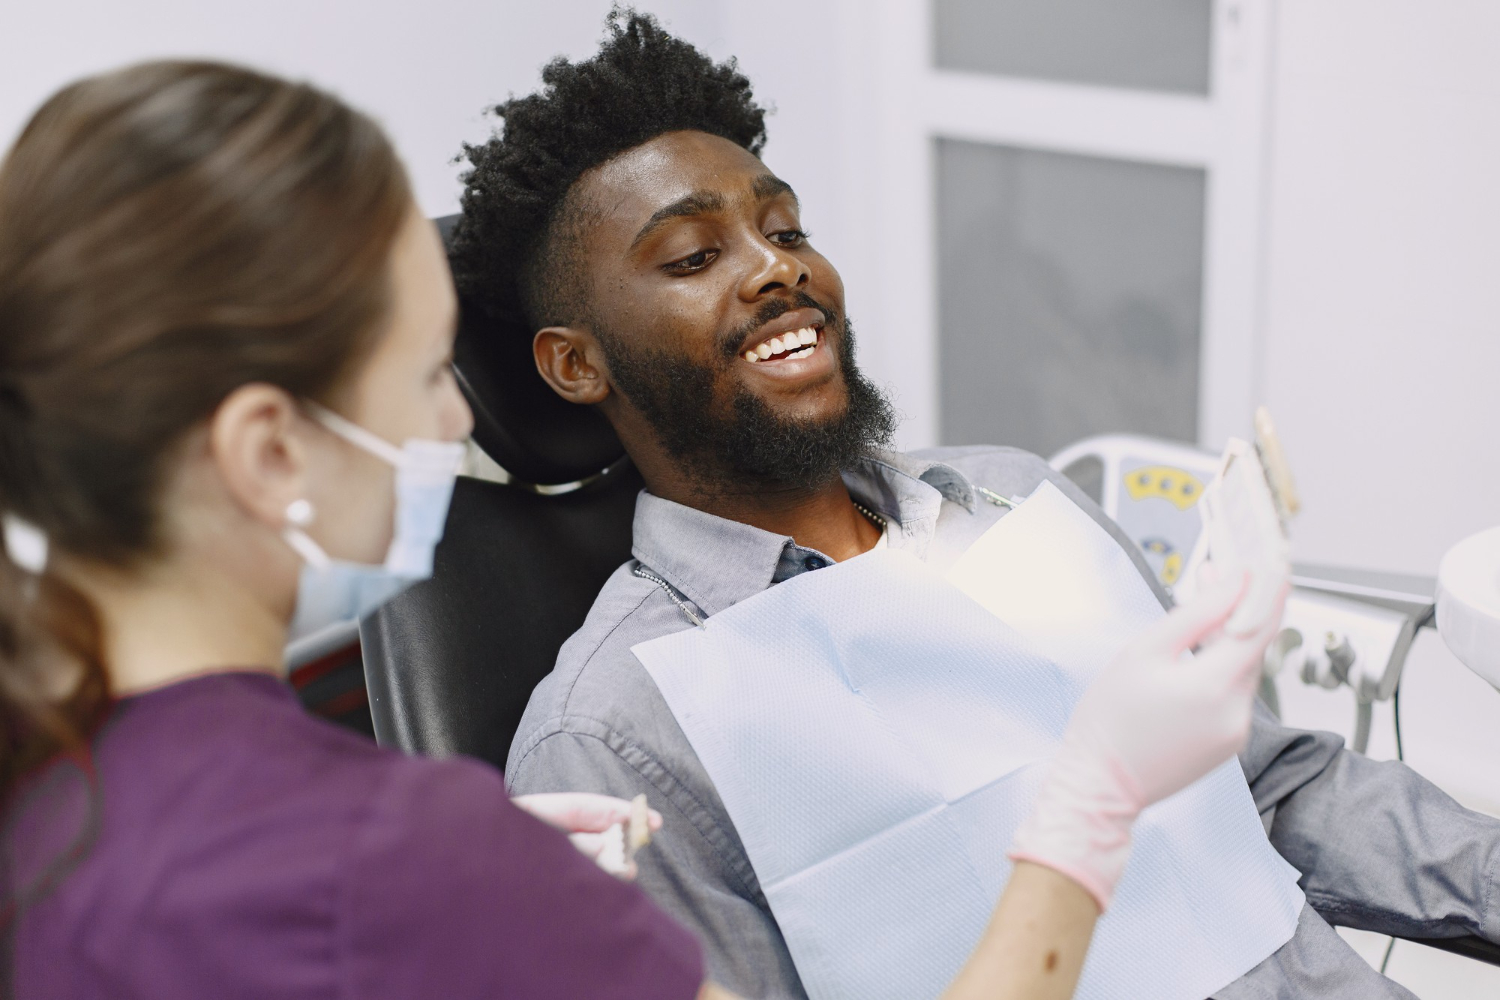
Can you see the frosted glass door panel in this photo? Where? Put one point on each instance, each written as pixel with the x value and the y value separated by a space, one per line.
pixel 1137 44
pixel 1070 296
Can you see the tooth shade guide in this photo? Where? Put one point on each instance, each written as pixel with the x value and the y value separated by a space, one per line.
pixel 638 833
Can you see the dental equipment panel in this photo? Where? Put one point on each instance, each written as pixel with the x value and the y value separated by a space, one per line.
pixel 1343 627
pixel 1151 488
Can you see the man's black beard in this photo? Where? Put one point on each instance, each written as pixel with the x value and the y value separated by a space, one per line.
pixel 740 445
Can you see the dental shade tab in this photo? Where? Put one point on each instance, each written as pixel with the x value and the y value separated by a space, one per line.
pixel 1245 510
pixel 623 840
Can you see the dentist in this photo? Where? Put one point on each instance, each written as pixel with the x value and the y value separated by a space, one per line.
pixel 227 418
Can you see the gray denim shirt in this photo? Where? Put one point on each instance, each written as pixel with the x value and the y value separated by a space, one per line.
pixel 1379 847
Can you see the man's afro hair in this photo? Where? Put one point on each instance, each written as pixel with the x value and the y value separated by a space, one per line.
pixel 642 83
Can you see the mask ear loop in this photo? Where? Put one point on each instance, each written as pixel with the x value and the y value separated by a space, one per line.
pixel 357 435
pixel 300 514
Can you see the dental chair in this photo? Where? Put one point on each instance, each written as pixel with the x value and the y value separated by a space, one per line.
pixel 450 664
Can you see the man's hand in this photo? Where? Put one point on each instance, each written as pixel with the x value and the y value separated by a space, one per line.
pixel 594 823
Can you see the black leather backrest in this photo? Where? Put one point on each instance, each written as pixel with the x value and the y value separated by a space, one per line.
pixel 451 663
pixel 518 420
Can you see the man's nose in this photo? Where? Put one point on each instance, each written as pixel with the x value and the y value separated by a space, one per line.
pixel 776 267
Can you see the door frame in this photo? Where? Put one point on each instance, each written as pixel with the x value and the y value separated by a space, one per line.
pixel 910 104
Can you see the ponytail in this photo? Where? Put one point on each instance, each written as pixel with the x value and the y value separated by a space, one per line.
pixel 54 692
pixel 53 688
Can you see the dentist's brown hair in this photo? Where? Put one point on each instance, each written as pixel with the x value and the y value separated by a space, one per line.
pixel 168 233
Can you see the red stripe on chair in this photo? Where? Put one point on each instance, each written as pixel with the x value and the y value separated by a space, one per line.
pixel 323 665
pixel 346 702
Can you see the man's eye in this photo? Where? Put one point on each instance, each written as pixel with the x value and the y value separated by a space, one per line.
pixel 693 262
pixel 789 237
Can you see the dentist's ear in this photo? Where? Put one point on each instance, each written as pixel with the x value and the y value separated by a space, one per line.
pixel 569 359
pixel 255 443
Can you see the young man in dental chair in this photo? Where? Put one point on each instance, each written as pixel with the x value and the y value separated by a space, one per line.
pixel 625 228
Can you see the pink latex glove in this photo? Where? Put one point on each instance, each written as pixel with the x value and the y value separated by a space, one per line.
pixel 594 823
pixel 1153 722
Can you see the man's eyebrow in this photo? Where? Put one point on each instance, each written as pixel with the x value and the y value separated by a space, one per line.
pixel 768 186
pixel 697 203
pixel 765 187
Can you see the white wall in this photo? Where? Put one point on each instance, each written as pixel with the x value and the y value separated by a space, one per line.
pixel 425 68
pixel 1382 347
pixel 1381 352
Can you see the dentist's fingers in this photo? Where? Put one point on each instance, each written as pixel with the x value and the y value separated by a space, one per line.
pixel 1239 659
pixel 1188 624
pixel 581 812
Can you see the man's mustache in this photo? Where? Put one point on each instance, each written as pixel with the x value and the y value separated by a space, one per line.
pixel 731 343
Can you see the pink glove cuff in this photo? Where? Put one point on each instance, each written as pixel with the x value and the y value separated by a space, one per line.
pixel 1080 825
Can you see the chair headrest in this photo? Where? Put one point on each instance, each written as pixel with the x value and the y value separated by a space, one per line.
pixel 533 433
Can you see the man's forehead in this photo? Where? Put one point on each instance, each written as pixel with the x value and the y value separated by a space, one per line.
pixel 673 170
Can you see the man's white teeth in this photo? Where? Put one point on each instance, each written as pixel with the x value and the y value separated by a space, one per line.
pixel 807 338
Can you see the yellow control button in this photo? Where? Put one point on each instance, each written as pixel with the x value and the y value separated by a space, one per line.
pixel 1181 488
pixel 1171 564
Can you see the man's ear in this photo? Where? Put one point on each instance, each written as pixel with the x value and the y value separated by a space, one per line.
pixel 569 359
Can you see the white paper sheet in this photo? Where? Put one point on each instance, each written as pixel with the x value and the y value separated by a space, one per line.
pixel 876 736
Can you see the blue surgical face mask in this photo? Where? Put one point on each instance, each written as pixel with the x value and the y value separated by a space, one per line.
pixel 331 590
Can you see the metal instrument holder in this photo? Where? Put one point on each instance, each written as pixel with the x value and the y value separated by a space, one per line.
pixel 1401 600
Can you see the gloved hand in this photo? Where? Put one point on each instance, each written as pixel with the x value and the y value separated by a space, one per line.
pixel 594 823
pixel 1153 722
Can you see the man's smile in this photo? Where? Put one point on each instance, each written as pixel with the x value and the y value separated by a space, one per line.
pixel 792 346
pixel 797 344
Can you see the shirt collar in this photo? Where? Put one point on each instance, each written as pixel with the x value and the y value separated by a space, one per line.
pixel 715 562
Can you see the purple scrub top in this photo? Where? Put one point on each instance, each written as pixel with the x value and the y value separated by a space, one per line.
pixel 247 849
